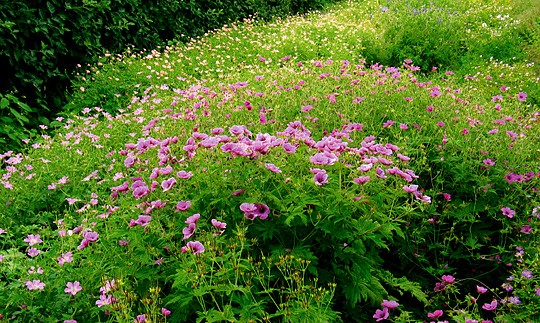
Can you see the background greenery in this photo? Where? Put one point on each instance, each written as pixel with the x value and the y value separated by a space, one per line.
pixel 41 42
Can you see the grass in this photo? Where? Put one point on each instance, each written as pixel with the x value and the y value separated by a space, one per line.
pixel 362 163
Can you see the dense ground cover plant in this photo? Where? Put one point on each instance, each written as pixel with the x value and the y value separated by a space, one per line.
pixel 257 181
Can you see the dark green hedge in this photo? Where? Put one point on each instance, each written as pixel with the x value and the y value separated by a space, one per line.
pixel 42 41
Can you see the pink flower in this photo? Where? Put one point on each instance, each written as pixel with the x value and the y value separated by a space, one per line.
pixel 168 184
pixel 489 162
pixel 129 161
pixel 238 192
pixel 403 126
pixel 34 284
pixel 491 306
pixel 440 124
pixel 183 205
pixel 390 304
pixel 140 318
pixel 361 179
pixel 104 300
pixel 219 225
pixel 32 252
pixel 165 311
pixel 73 288
pixel 189 230
pixel 321 178
pixel 33 239
pixel 66 257
pixel 522 96
pixel 481 289
pixel 429 108
pixel 447 196
pixel 194 218
pixel 508 212
pixel 448 278
pixel 273 168
pixel 143 220
pixel 435 314
pixel 465 131
pixel 411 188
pixel 381 314
pixel 194 246
pixel 306 108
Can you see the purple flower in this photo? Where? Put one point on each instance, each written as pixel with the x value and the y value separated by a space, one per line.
pixel 104 300
pixel 481 289
pixel 168 184
pixel 66 257
pixel 165 311
pixel 73 288
pixel 435 314
pixel 390 304
pixel 273 168
pixel 320 159
pixel 361 179
pixel 183 205
pixel 32 252
pixel 527 274
pixel 522 96
pixel 194 218
pixel 219 225
pixel 140 318
pixel 194 246
pixel 508 212
pixel 261 211
pixel 143 220
pixel 320 178
pixel 129 161
pixel 491 306
pixel 189 230
pixel 34 284
pixel 447 278
pixel 33 239
pixel 184 175
pixel 381 314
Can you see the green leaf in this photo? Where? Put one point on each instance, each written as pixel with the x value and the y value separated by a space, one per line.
pixel 22 119
pixel 4 103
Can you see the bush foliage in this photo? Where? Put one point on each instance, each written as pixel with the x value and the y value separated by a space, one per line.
pixel 41 42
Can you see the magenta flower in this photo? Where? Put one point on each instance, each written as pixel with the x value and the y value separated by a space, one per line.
pixel 194 218
pixel 361 179
pixel 440 124
pixel 33 239
pixel 238 192
pixel 320 159
pixel 411 188
pixel 488 162
pixel 522 96
pixel 143 220
pixel 481 289
pixel 508 212
pixel 140 318
pixel 491 306
pixel 447 196
pixel 381 314
pixel 306 108
pixel 165 311
pixel 194 246
pixel 289 148
pixel 183 205
pixel 219 225
pixel 390 304
pixel 104 300
pixel 129 161
pixel 184 175
pixel 168 184
pixel 189 230
pixel 448 278
pixel 429 108
pixel 73 288
pixel 261 211
pixel 465 131
pixel 248 207
pixel 321 178
pixel 273 168
pixel 32 252
pixel 365 167
pixel 66 257
pixel 437 313
pixel 34 284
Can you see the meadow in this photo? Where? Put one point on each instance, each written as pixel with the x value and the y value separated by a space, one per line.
pixel 370 162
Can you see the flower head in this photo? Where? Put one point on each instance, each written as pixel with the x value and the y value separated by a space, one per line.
pixel 73 288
